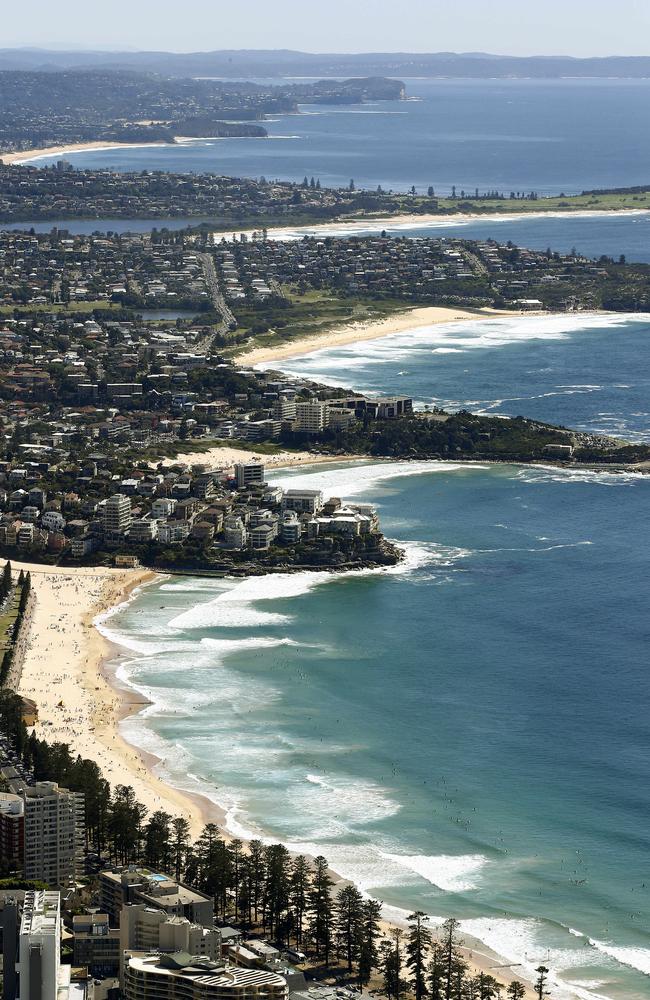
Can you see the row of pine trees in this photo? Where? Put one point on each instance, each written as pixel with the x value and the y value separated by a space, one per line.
pixel 263 887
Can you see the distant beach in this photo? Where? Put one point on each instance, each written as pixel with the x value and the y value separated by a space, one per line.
pixel 353 332
pixel 27 155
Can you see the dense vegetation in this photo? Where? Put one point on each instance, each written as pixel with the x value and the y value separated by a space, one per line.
pixel 470 436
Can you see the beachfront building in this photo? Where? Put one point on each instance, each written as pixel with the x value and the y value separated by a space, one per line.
pixel 249 474
pixel 303 501
pixel 235 533
pixel 116 515
pixel 135 884
pixel 311 418
pixel 145 929
pixel 39 946
pixel 172 977
pixel 54 833
pixel 12 831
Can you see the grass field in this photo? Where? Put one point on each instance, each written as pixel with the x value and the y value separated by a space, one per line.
pixel 55 307
pixel 516 206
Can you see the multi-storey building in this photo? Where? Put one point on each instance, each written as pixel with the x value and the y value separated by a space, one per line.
pixel 145 929
pixel 39 946
pixel 54 831
pixel 311 417
pixel 12 830
pixel 249 474
pixel 140 885
pixel 116 515
pixel 180 977
pixel 96 944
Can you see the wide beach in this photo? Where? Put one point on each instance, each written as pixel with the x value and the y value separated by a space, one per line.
pixel 63 673
pixel 357 332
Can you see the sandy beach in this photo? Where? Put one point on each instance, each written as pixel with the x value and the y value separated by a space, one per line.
pixel 395 223
pixel 224 457
pixel 63 673
pixel 354 332
pixel 27 155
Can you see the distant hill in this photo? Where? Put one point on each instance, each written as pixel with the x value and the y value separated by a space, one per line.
pixel 282 62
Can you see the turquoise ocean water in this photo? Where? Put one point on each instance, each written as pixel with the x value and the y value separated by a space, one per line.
pixel 467 733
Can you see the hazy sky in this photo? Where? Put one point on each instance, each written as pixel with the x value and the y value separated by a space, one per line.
pixel 522 27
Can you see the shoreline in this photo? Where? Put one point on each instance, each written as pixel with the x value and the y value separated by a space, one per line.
pixel 351 333
pixel 223 456
pixel 377 223
pixel 201 809
pixel 64 671
pixel 22 157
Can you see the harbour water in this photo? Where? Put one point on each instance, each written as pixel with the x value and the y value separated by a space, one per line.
pixel 468 733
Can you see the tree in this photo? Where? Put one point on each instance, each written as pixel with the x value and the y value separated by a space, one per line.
pixel 157 840
pixel 540 982
pixel 320 905
pixel 430 191
pixel 418 943
pixel 370 915
pixel 348 912
pixel 516 990
pixel 450 946
pixel 256 871
pixel 179 844
pixel 437 972
pixel 390 963
pixel 299 888
pixel 276 888
pixel 486 987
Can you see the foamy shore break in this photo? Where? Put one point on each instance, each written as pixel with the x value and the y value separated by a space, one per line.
pixel 351 333
pixel 64 671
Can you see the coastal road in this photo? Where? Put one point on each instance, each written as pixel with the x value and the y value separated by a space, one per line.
pixel 218 301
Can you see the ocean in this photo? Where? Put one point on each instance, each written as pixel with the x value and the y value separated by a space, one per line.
pixel 467 733
pixel 551 136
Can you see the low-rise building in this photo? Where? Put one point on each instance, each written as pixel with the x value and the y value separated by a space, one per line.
pixel 169 977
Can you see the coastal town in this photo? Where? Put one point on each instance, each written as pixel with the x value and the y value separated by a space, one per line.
pixel 127 107
pixel 116 354
pixel 156 463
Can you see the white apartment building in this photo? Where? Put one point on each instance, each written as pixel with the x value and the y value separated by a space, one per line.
pixel 284 409
pixel 116 515
pixel 171 532
pixel 235 534
pixel 291 528
pixel 163 507
pixel 53 521
pixel 143 530
pixel 54 831
pixel 303 501
pixel 39 946
pixel 311 418
pixel 146 929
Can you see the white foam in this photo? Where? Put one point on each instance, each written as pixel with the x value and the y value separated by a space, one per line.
pixel 371 226
pixel 634 958
pixel 352 480
pixel 523 943
pixel 457 336
pixel 452 873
